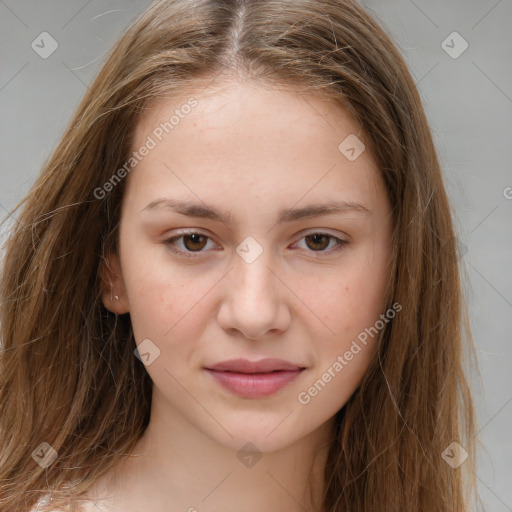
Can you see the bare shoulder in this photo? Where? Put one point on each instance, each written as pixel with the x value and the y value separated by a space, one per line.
pixel 95 506
pixel 86 504
pixel 94 502
pixel 99 497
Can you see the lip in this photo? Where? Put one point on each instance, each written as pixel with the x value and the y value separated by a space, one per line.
pixel 261 366
pixel 254 379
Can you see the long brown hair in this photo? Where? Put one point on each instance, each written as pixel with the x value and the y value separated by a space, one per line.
pixel 68 374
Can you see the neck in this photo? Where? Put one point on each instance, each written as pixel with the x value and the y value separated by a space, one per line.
pixel 175 467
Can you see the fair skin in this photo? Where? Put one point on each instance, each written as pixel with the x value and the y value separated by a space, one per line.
pixel 250 152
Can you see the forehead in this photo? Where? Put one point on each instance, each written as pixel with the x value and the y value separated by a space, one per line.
pixel 245 140
pixel 251 105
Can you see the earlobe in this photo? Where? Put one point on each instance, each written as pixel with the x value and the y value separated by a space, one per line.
pixel 113 293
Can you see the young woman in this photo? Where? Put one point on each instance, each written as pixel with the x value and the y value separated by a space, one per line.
pixel 234 285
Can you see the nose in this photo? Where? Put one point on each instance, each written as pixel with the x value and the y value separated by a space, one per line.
pixel 254 303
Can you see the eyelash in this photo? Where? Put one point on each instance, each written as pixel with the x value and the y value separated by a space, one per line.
pixel 190 254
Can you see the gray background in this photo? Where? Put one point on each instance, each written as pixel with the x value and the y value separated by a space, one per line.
pixel 468 100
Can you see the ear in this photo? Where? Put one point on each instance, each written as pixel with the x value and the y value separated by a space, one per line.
pixel 113 285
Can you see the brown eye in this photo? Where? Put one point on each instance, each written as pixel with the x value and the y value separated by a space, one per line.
pixel 194 241
pixel 322 243
pixel 191 243
pixel 318 241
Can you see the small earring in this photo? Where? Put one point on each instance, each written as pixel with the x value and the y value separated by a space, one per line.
pixel 116 297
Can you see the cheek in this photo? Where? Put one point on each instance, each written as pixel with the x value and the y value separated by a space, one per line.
pixel 169 306
pixel 352 307
pixel 163 306
pixel 347 300
pixel 166 312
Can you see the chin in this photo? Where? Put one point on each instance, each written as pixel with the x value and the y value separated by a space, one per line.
pixel 266 434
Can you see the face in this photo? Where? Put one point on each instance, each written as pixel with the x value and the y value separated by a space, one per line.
pixel 248 233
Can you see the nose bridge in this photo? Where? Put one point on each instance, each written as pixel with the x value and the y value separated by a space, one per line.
pixel 252 275
pixel 252 304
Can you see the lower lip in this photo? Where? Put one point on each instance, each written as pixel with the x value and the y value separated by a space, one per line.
pixel 254 385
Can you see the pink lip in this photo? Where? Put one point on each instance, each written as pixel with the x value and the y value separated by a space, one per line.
pixel 254 379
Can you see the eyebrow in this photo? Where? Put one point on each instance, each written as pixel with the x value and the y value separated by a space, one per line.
pixel 205 211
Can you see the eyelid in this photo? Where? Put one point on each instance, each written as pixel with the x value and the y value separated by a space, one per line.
pixel 169 241
pixel 340 242
pixel 323 231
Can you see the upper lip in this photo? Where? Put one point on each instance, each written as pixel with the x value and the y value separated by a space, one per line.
pixel 261 366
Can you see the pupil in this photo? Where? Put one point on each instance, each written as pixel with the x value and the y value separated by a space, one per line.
pixel 316 239
pixel 195 240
